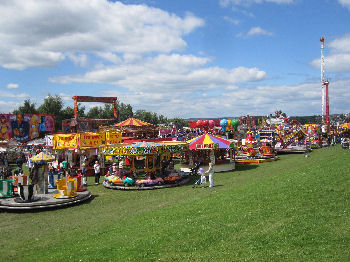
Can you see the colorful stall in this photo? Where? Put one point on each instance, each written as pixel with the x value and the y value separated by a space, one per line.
pixel 210 148
pixel 148 164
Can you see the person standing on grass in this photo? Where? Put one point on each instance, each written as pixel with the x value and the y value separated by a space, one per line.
pixel 83 174
pixel 97 169
pixel 211 173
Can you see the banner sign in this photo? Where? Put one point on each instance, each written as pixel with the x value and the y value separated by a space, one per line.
pixel 65 141
pixel 113 138
pixel 144 150
pixel 89 139
pixel 207 146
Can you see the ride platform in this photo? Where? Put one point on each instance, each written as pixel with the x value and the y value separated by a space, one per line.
pixel 256 160
pixel 43 201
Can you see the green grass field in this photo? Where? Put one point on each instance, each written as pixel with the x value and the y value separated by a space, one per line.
pixel 294 209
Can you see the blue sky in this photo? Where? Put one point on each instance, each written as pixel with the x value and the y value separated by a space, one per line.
pixel 183 58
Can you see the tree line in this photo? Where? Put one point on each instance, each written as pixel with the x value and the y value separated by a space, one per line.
pixel 54 105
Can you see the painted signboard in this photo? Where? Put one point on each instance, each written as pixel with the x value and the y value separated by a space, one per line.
pixel 24 127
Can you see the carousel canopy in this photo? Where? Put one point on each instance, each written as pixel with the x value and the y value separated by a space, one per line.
pixel 133 122
pixel 144 144
pixel 345 125
pixel 208 141
pixel 42 158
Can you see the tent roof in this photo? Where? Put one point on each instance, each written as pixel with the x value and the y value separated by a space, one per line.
pixel 133 122
pixel 208 139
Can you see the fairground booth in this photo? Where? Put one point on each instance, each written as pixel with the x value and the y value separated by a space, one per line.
pixel 209 148
pixel 79 148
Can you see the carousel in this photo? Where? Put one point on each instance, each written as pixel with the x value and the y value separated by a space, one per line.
pixel 133 128
pixel 256 151
pixel 210 148
pixel 143 165
pixel 36 195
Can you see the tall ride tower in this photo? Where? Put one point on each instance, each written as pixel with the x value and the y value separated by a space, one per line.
pixel 325 95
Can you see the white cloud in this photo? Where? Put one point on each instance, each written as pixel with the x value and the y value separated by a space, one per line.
pixel 79 59
pixel 345 3
pixel 338 58
pixel 299 99
pixel 12 95
pixel 231 20
pixel 166 73
pixel 12 86
pixel 40 33
pixel 9 106
pixel 226 3
pixel 254 31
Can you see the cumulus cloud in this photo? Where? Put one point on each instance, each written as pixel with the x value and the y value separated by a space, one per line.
pixel 255 31
pixel 254 100
pixel 13 95
pixel 40 33
pixel 9 106
pixel 258 31
pixel 226 3
pixel 12 86
pixel 338 58
pixel 345 3
pixel 166 73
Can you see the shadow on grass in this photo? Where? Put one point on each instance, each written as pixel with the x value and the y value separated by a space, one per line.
pixel 242 167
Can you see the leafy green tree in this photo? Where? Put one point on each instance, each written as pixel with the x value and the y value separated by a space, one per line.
pixel 179 122
pixel 93 112
pixel 98 112
pixel 53 105
pixel 162 119
pixel 26 108
pixel 124 111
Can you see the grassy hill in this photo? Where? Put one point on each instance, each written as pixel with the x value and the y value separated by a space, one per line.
pixel 294 209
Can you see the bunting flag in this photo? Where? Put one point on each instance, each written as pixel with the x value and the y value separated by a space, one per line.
pixel 208 141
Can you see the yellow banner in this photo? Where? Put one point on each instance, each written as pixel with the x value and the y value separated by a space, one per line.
pixel 62 141
pixel 89 139
pixel 113 138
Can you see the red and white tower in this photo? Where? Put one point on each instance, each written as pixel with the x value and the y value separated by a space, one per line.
pixel 325 95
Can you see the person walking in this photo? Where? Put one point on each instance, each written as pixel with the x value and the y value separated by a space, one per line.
pixel 211 173
pixel 97 169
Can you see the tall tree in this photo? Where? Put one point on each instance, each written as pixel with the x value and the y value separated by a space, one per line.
pixel 124 111
pixel 26 108
pixel 53 105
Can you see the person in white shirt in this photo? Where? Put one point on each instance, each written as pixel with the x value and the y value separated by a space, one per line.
pixel 97 169
pixel 211 173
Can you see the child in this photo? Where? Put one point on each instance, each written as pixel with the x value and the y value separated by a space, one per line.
pixel 202 181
